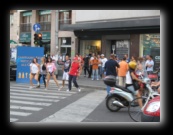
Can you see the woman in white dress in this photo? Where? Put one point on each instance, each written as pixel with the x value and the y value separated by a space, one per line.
pixel 34 71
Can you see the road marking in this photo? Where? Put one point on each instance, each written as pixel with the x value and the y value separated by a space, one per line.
pixel 13 119
pixel 79 110
pixel 25 108
pixel 29 103
pixel 19 113
pixel 33 99
pixel 33 95
pixel 38 92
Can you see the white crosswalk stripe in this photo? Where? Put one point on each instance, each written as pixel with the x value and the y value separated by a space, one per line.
pixel 79 110
pixel 24 101
pixel 25 108
pixel 13 119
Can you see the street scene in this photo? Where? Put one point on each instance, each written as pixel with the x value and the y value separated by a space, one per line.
pixel 84 66
pixel 38 105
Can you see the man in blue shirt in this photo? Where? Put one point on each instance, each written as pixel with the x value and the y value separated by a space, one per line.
pixel 111 69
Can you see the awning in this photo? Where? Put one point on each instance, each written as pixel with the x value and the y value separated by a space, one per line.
pixel 115 24
pixel 13 42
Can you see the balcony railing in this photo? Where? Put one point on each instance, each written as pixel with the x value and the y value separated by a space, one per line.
pixel 66 21
pixel 25 27
pixel 45 26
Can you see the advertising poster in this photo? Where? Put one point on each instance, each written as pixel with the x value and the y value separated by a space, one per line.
pixel 25 55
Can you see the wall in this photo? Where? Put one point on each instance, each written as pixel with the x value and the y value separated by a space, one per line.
pixel 14 29
pixel 92 15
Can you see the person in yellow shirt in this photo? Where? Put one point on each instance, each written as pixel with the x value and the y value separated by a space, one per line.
pixel 122 70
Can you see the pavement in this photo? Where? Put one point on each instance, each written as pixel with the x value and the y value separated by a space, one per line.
pixel 85 82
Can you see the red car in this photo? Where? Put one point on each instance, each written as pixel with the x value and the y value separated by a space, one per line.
pixel 151 111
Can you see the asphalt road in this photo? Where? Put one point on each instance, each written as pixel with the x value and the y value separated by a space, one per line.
pixel 38 105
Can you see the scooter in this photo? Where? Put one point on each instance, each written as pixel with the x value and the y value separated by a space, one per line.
pixel 120 97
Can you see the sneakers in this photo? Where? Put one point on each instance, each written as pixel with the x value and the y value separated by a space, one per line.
pixel 38 86
pixel 31 87
pixel 97 79
pixel 79 89
pixel 67 90
pixel 61 87
pixel 92 79
pixel 45 89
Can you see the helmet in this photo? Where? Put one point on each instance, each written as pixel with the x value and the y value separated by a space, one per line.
pixel 132 64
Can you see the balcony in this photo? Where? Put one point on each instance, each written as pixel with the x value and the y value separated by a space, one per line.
pixel 45 26
pixel 65 21
pixel 25 27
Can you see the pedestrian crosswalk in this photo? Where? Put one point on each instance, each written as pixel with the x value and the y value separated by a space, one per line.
pixel 24 101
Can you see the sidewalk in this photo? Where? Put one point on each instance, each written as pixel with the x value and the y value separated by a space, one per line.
pixel 85 82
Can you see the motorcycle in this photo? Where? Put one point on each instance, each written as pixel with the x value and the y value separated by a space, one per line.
pixel 120 97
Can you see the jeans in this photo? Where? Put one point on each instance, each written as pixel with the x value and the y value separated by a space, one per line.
pixel 100 71
pixel 108 88
pixel 95 74
pixel 86 69
pixel 74 81
pixel 44 76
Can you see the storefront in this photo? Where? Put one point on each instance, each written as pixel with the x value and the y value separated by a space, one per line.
pixel 89 47
pixel 135 37
pixel 150 45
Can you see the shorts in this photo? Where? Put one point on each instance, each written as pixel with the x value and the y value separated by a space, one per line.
pixel 33 74
pixel 65 76
pixel 132 89
pixel 141 85
pixel 51 73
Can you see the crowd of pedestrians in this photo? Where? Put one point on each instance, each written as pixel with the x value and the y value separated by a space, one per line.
pixel 95 67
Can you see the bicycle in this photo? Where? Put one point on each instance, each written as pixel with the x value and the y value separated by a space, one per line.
pixel 134 109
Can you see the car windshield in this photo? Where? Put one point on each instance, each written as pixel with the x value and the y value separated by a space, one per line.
pixel 12 63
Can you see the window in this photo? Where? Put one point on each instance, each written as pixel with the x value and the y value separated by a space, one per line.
pixel 65 17
pixel 148 42
pixel 11 18
pixel 45 18
pixel 26 19
pixel 65 41
pixel 150 45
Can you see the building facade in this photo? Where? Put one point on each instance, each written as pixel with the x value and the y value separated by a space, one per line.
pixel 132 32
pixel 56 41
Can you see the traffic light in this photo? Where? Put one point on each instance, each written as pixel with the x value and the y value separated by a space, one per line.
pixel 36 39
pixel 40 39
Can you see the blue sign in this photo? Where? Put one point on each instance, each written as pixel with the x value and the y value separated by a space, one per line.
pixel 36 27
pixel 25 55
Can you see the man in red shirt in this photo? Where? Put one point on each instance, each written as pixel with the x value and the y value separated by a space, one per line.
pixel 74 71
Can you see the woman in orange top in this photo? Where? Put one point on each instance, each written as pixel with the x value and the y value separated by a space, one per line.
pixel 95 63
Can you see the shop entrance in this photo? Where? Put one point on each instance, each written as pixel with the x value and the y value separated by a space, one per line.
pixel 90 46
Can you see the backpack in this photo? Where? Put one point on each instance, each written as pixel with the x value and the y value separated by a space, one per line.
pixel 43 67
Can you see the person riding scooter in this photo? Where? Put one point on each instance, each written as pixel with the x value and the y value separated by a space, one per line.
pixel 132 82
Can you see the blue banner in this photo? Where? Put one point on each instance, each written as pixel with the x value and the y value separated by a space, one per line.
pixel 25 55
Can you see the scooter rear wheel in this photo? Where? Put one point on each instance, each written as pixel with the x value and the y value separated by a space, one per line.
pixel 110 105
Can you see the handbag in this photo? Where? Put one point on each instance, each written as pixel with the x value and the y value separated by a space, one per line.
pixel 136 85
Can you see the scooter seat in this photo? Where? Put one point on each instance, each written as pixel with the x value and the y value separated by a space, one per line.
pixel 123 88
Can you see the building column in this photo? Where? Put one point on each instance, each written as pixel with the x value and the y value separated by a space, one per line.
pixel 34 20
pixel 53 48
pixel 134 45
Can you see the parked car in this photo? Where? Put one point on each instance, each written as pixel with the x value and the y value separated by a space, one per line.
pixel 151 112
pixel 13 68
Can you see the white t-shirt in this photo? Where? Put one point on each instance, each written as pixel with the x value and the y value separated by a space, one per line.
pixel 103 61
pixel 50 67
pixel 128 78
pixel 150 62
pixel 34 68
